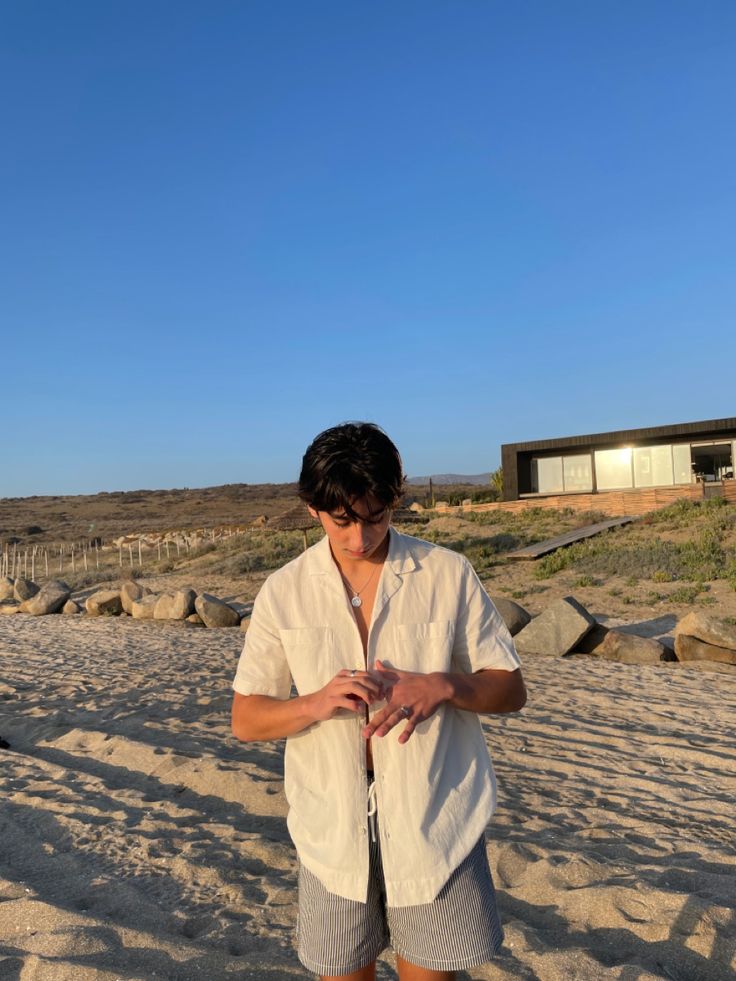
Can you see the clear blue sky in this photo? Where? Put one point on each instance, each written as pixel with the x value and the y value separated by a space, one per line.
pixel 226 226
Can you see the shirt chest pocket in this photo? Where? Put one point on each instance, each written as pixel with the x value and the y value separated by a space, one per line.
pixel 310 655
pixel 424 647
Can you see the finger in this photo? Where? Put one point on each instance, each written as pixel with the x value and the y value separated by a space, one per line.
pixel 368 693
pixel 407 731
pixel 361 677
pixel 378 719
pixel 353 705
pixel 394 718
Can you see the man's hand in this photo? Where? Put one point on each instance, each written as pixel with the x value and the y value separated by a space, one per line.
pixel 411 697
pixel 347 690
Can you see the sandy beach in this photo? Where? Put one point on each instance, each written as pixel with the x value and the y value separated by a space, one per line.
pixel 139 840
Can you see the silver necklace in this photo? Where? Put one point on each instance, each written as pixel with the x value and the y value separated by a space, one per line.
pixel 356 600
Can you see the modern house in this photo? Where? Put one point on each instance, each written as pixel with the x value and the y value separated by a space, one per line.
pixel 683 455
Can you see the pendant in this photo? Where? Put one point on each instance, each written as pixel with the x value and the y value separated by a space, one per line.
pixel 356 601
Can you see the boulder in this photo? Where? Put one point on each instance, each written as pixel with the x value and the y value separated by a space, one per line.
pixel 7 588
pixel 709 629
pixel 182 605
pixel 631 649
pixel 215 612
pixel 556 631
pixel 592 641
pixel 693 649
pixel 24 589
pixel 49 599
pixel 162 609
pixel 514 616
pixel 131 591
pixel 142 609
pixel 70 608
pixel 9 606
pixel 105 602
pixel 195 619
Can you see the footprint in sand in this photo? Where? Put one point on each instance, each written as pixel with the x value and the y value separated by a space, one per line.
pixel 513 863
pixel 576 873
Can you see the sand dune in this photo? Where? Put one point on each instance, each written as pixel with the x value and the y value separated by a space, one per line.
pixel 138 840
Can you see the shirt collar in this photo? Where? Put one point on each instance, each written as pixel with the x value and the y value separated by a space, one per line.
pixel 399 559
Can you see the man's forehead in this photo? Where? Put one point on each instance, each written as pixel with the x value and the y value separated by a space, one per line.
pixel 363 507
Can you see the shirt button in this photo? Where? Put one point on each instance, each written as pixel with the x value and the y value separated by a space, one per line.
pixel 361 829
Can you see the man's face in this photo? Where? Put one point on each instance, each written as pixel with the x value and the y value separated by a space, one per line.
pixel 356 540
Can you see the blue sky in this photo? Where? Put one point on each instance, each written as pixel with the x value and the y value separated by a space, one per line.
pixel 227 226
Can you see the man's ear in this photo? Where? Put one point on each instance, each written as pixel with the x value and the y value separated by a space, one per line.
pixel 312 511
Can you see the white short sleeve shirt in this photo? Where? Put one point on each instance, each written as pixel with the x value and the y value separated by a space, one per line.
pixel 436 793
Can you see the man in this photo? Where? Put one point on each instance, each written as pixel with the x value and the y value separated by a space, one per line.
pixel 393 647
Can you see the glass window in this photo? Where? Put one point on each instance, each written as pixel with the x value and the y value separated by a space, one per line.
pixel 613 469
pixel 653 466
pixel 682 463
pixel 578 472
pixel 547 475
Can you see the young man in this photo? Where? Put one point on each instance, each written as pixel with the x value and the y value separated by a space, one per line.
pixel 393 647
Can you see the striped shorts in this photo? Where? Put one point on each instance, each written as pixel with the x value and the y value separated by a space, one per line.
pixel 460 928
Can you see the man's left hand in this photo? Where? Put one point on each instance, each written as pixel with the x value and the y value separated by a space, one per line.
pixel 411 697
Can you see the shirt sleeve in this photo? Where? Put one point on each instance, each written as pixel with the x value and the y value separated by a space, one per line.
pixel 263 668
pixel 482 639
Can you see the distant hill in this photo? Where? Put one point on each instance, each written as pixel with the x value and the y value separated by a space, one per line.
pixel 452 478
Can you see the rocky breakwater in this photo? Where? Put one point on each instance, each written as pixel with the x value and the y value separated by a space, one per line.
pixel 701 637
pixel 566 628
pixel 131 599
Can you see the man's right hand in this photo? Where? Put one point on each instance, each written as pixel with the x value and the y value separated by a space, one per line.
pixel 347 690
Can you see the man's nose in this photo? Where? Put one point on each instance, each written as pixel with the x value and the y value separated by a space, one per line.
pixel 359 536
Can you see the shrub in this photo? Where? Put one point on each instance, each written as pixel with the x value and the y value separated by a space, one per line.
pixel 685 594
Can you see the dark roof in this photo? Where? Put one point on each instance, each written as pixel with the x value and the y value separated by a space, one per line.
pixel 684 430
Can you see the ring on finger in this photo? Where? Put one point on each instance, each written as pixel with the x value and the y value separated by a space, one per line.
pixel 353 673
pixel 405 711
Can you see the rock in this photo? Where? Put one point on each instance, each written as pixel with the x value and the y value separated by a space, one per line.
pixel 9 606
pixel 182 605
pixel 556 631
pixel 7 588
pixel 70 608
pixel 162 609
pixel 131 591
pixel 514 616
pixel 631 649
pixel 709 629
pixel 49 599
pixel 105 602
pixel 693 649
pixel 215 612
pixel 24 589
pixel 142 609
pixel 592 640
pixel 195 619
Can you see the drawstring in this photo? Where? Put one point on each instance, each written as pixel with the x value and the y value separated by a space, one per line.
pixel 372 808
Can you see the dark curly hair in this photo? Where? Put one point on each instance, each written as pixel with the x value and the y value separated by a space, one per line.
pixel 348 462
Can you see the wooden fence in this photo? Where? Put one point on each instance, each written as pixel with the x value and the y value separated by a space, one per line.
pixel 37 562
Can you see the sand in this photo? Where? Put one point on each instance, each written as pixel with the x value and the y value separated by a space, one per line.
pixel 139 840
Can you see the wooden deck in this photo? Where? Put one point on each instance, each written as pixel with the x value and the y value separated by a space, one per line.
pixel 551 544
